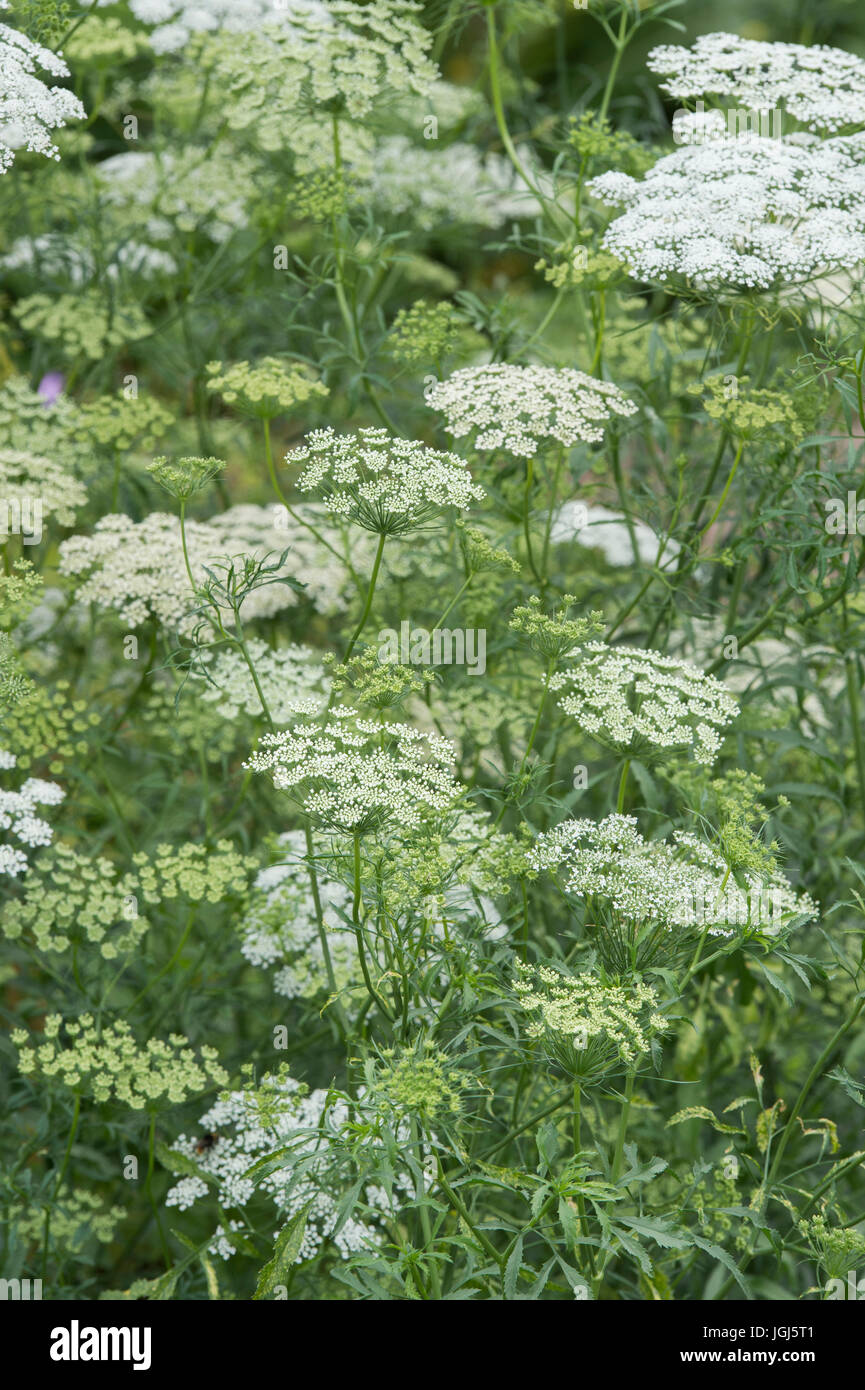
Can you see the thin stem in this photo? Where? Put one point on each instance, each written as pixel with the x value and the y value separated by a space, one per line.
pixel 731 475
pixel 369 596
pixel 623 782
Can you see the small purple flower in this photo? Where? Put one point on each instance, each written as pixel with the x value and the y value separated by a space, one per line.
pixel 51 386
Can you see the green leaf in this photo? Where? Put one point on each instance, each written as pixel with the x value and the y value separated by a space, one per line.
pixel 512 1268
pixel 285 1252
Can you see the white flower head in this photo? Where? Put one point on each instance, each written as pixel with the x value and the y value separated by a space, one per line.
pixel 354 774
pixel 387 485
pixel 30 110
pixel 287 676
pixel 822 87
pixel 748 212
pixel 19 823
pixel 677 887
pixel 524 409
pixel 137 568
pixel 640 701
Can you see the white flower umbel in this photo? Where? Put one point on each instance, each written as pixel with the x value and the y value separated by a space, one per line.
pixel 176 21
pixel 29 479
pixel 286 675
pixel 29 110
pixel 281 1116
pixel 355 775
pixel 19 823
pixel 336 53
pixel 388 485
pixel 454 184
pixel 190 190
pixel 280 929
pixel 525 409
pixel 642 702
pixel 137 568
pixel 745 213
pixel 681 886
pixel 587 1025
pixel 821 87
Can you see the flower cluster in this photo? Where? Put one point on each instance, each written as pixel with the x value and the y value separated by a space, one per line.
pixel 354 774
pixel 249 1124
pixel 331 52
pixel 120 421
pixel 85 324
pixel 79 1217
pixel 424 332
pixel 266 388
pixel 588 1024
pixel 387 485
pixel 137 568
pixel 69 897
pixel 417 1080
pixel 524 409
pixel 18 820
pixel 749 212
pixel 682 885
pixel 822 87
pixel 75 262
pixel 26 479
pixel 641 701
pixel 49 724
pixel 110 1064
pixel 280 929
pixel 290 677
pixel 30 424
pixel 751 413
pixel 423 186
pixel 29 110
pixel 192 190
pixel 68 894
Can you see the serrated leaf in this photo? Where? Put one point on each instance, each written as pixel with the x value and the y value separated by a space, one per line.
pixel 285 1252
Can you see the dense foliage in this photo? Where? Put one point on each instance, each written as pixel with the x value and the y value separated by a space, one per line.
pixel 432 649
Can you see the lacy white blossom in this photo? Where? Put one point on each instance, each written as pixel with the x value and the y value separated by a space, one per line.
pixel 588 1025
pixel 522 409
pixel 280 930
pixel 137 568
pixel 175 21
pixel 678 884
pixel 29 110
pixel 388 485
pixel 640 700
pixel 354 774
pixel 822 87
pixel 196 189
pixel 77 264
pixel 287 676
pixel 747 212
pixel 455 184
pixel 333 52
pixel 280 1115
pixel 32 489
pixel 18 822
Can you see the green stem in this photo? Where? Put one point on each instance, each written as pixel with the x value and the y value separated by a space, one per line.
pixel 369 597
